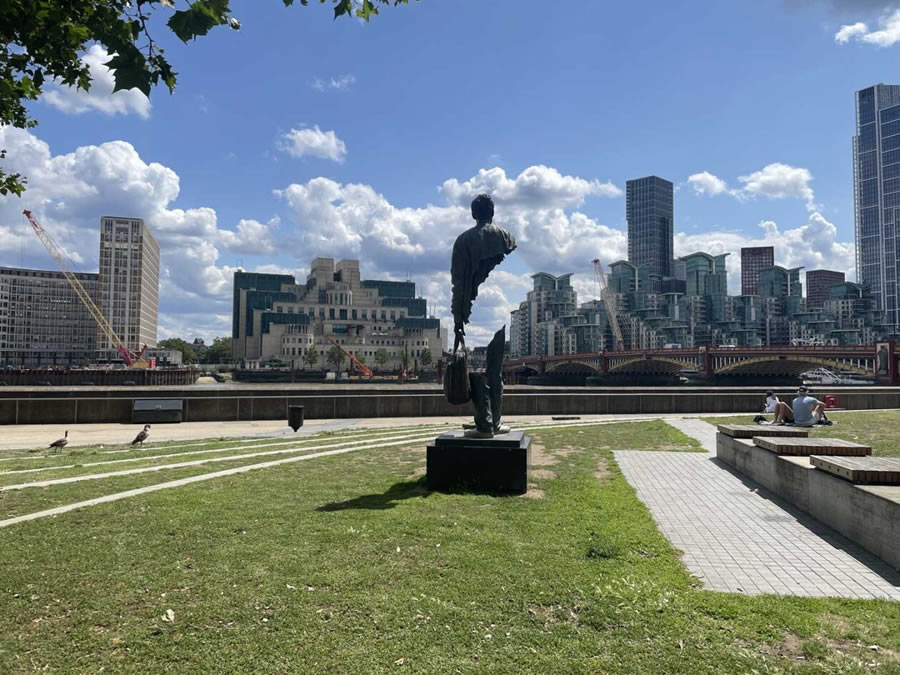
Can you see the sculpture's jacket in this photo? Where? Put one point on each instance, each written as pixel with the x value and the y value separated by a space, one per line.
pixel 476 252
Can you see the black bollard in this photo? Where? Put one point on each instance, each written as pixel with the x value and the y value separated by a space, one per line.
pixel 295 416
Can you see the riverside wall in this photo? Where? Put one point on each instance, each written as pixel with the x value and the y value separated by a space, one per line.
pixel 79 405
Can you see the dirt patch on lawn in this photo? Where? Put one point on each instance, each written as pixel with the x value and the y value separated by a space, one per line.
pixel 534 493
pixel 543 473
pixel 602 473
pixel 795 649
pixel 540 456
pixel 567 450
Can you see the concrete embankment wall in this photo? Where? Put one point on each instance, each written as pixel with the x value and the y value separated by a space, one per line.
pixel 79 405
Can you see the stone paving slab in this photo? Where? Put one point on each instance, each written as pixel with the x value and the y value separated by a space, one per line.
pixel 740 538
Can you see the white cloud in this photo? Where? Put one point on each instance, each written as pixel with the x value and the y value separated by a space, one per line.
pixel 850 31
pixel 534 187
pixel 100 96
pixel 705 183
pixel 780 181
pixel 887 35
pixel 342 83
pixel 774 181
pixel 313 142
pixel 251 237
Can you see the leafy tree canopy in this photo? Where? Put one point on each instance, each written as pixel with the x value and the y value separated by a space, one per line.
pixel 44 39
pixel 188 355
pixel 219 351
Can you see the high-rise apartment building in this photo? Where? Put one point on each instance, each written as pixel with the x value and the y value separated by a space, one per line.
pixel 876 194
pixel 706 274
pixel 129 281
pixel 649 210
pixel 42 320
pixel 535 328
pixel 818 286
pixel 754 259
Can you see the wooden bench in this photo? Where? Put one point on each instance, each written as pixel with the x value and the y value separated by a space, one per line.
pixel 866 470
pixel 811 446
pixel 751 430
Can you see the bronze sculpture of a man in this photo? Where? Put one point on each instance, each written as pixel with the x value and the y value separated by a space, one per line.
pixel 476 252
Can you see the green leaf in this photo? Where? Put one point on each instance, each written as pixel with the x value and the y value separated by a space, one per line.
pixel 130 71
pixel 199 19
pixel 367 10
pixel 342 7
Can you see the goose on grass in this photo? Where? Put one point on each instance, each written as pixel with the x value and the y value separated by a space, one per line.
pixel 60 443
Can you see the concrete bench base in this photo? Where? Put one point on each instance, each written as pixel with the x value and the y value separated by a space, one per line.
pixel 866 514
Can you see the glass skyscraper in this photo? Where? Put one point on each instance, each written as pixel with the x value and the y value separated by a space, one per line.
pixel 876 194
pixel 649 211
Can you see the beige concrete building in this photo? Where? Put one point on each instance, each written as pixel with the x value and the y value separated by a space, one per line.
pixel 277 318
pixel 42 320
pixel 128 282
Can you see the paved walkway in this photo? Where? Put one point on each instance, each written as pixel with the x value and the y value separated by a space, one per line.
pixel 742 539
pixel 20 436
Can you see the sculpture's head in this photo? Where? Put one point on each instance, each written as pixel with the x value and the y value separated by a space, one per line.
pixel 483 208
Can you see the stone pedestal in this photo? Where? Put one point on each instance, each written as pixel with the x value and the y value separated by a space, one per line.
pixel 498 464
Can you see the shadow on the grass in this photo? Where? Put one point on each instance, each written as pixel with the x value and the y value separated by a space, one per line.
pixel 409 489
pixel 398 492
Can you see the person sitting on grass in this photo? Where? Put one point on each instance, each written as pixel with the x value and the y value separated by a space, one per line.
pixel 805 411
pixel 769 407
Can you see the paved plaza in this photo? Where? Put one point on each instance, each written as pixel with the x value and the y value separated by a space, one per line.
pixel 738 537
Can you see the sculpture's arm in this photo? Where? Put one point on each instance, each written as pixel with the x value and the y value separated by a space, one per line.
pixel 460 279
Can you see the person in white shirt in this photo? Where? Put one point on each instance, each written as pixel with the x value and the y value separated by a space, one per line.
pixel 771 403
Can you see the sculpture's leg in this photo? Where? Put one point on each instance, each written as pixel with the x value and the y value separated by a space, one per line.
pixel 481 401
pixel 494 376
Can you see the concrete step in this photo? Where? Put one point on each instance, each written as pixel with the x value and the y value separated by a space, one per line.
pixel 751 430
pixel 811 446
pixel 865 470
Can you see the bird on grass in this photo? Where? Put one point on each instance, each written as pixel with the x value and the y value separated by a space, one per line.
pixel 141 437
pixel 60 443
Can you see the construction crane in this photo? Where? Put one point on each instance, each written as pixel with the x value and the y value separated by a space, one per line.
pixel 134 360
pixel 363 368
pixel 609 301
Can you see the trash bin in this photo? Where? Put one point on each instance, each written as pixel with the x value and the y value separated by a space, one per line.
pixel 295 416
pixel 831 401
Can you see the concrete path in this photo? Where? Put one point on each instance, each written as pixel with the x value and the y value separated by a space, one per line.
pixel 742 539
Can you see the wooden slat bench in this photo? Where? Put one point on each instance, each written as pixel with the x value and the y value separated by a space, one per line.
pixel 866 470
pixel 811 446
pixel 751 430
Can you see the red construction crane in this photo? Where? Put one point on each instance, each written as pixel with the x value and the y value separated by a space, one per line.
pixel 365 370
pixel 609 301
pixel 62 261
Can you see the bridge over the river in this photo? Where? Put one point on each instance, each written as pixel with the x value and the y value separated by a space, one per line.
pixel 876 362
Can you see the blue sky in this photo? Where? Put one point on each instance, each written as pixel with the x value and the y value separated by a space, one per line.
pixel 299 136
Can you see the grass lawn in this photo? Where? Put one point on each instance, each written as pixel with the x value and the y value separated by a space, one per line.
pixel 347 564
pixel 878 429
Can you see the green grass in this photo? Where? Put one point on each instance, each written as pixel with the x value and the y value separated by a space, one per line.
pixel 347 564
pixel 878 429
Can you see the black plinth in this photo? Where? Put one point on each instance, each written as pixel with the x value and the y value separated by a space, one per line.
pixel 498 464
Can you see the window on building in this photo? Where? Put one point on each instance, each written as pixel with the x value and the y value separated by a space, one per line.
pixel 331 312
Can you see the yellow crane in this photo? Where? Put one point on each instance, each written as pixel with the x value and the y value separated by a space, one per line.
pixel 134 360
pixel 609 301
